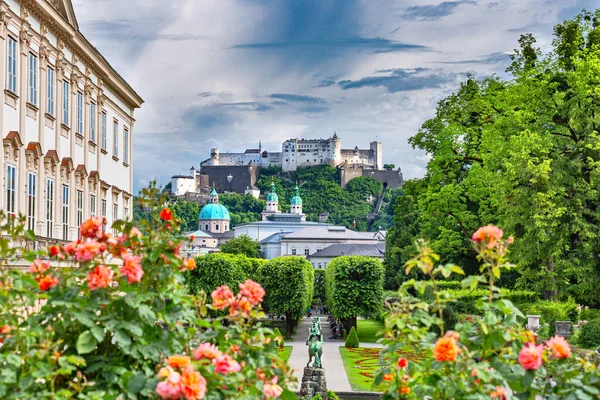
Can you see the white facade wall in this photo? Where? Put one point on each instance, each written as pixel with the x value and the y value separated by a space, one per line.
pixel 181 185
pixel 42 144
pixel 301 247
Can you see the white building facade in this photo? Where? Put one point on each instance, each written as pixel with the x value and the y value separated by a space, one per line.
pixel 67 123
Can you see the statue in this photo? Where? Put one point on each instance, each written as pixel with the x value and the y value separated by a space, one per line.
pixel 315 344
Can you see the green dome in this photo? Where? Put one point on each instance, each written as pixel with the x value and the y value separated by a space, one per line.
pixel 214 211
pixel 296 200
pixel 272 196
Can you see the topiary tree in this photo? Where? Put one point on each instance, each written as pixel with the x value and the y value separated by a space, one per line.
pixel 243 244
pixel 354 286
pixel 289 285
pixel 352 339
pixel 214 270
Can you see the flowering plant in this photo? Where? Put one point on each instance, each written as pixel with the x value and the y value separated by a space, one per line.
pixel 482 358
pixel 107 317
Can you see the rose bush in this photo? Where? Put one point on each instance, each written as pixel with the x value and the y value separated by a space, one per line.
pixel 482 358
pixel 108 317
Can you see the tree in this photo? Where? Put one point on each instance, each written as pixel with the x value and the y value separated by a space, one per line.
pixel 214 270
pixel 289 284
pixel 364 186
pixel 354 287
pixel 243 244
pixel 319 291
pixel 188 211
pixel 389 167
pixel 521 154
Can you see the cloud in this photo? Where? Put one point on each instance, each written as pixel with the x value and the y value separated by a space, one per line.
pixel 372 45
pixel 436 11
pixel 297 98
pixel 326 83
pixel 493 58
pixel 401 80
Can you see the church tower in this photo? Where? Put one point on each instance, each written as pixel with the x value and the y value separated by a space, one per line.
pixel 272 203
pixel 296 204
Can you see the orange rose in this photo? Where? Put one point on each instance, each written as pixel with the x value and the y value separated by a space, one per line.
pixel 206 350
pixel 221 297
pixel 92 228
pixel 176 361
pixel 499 393
pixel 166 214
pixel 100 277
pixel 39 267
pixel 47 282
pixel 189 263
pixel 446 348
pixel 132 268
pixel 240 305
pixel 490 235
pixel 404 390
pixel 559 346
pixel 530 356
pixel 193 385
pixel 253 291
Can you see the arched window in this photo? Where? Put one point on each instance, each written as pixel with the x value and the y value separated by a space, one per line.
pixel 206 227
pixel 217 227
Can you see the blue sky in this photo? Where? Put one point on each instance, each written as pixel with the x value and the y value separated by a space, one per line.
pixel 228 73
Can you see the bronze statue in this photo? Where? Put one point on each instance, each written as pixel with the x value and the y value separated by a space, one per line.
pixel 315 343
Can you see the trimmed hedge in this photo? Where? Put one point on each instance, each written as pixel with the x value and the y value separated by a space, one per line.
pixel 552 311
pixel 516 296
pixel 589 334
pixel 214 270
pixel 352 339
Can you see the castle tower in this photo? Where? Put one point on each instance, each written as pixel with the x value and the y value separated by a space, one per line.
pixel 214 156
pixel 376 156
pixel 336 150
pixel 272 203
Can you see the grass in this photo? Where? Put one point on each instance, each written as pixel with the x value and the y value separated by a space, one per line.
pixel 284 353
pixel 367 330
pixel 360 365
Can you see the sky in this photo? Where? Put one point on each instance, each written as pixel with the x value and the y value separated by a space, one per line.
pixel 231 73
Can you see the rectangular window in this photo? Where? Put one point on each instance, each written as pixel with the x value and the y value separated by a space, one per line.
pixel 49 206
pixel 103 131
pixel 80 113
pixel 126 213
pixel 93 122
pixel 104 205
pixel 65 212
pixel 31 191
pixel 12 64
pixel 307 252
pixel 79 208
pixel 293 252
pixel 50 105
pixel 116 138
pixel 92 205
pixel 115 213
pixel 66 103
pixel 126 145
pixel 11 190
pixel 33 67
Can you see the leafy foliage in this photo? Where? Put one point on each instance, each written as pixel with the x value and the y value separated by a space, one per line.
pixel 589 335
pixel 243 208
pixel 289 283
pixel 319 291
pixel 522 154
pixel 354 287
pixel 243 244
pixel 214 270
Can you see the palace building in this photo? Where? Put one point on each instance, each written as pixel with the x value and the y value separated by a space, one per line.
pixel 67 123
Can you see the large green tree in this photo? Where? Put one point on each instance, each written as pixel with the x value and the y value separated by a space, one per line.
pixel 523 154
pixel 243 244
pixel 289 284
pixel 354 287
pixel 214 270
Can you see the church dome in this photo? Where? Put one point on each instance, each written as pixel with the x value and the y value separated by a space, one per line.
pixel 272 196
pixel 214 211
pixel 296 200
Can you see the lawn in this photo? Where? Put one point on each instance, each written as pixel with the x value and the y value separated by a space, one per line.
pixel 360 365
pixel 285 352
pixel 367 330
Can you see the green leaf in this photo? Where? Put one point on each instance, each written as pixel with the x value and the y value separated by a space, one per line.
pixel 147 314
pixel 86 343
pixel 84 319
pixel 136 383
pixel 122 339
pixel 98 333
pixel 76 360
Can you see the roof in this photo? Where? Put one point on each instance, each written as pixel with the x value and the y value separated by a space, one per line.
pixel 214 211
pixel 330 232
pixel 274 238
pixel 296 200
pixel 213 192
pixel 349 249
pixel 182 177
pixel 252 151
pixel 227 234
pixel 283 224
pixel 200 234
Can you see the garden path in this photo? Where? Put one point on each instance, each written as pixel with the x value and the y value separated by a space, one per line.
pixel 332 360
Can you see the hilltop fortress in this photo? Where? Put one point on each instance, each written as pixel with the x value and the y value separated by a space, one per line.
pixel 238 172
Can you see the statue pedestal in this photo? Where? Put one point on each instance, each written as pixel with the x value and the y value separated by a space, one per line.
pixel 313 383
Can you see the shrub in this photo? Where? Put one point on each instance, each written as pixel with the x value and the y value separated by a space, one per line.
pixel 214 270
pixel 331 395
pixel 277 334
pixel 516 296
pixel 552 311
pixel 352 339
pixel 589 314
pixel 589 335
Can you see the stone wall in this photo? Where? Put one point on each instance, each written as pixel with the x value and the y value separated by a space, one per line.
pixel 393 179
pixel 242 176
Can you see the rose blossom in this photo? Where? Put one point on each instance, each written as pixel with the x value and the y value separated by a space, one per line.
pixel 253 291
pixel 489 234
pixel 47 282
pixel 272 389
pixel 206 350
pixel 193 385
pixel 188 263
pixel 240 305
pixel 87 250
pixel 70 248
pixel 100 277
pixel 91 228
pixel 559 346
pixel 225 364
pixel 170 388
pixel 446 348
pixel 221 297
pixel 39 267
pixel 132 268
pixel 402 362
pixel 54 250
pixel 166 214
pixel 177 361
pixel 530 356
